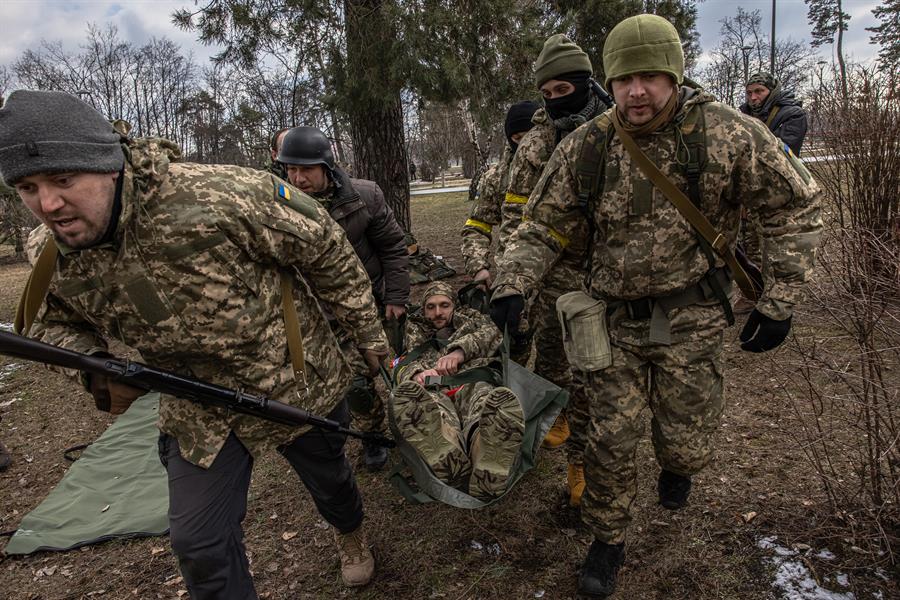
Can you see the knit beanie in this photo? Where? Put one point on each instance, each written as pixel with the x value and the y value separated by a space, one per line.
pixel 560 55
pixel 643 43
pixel 518 118
pixel 439 288
pixel 764 79
pixel 55 132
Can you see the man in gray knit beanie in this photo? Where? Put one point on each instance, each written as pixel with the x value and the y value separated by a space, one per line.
pixel 64 158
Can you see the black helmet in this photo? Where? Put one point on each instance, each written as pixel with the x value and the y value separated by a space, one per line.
pixel 306 146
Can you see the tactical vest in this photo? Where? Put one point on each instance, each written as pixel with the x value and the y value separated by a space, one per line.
pixel 691 155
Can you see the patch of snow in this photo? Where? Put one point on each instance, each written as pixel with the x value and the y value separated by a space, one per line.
pixel 6 326
pixel 793 580
pixel 842 580
pixel 477 546
pixel 825 554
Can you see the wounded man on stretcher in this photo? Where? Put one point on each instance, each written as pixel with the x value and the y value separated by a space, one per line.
pixel 469 434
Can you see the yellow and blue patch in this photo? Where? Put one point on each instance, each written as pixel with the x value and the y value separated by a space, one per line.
pixel 283 191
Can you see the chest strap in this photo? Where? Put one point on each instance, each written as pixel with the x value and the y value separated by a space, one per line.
pixel 36 288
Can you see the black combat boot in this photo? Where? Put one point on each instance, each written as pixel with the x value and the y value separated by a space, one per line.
pixel 673 489
pixel 374 456
pixel 600 568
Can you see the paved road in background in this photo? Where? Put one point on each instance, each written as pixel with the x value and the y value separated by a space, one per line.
pixel 458 188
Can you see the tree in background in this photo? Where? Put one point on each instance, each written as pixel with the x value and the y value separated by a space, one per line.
pixel 828 19
pixel 743 49
pixel 887 34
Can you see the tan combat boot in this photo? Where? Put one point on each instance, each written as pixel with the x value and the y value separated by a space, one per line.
pixel 575 479
pixel 357 562
pixel 558 434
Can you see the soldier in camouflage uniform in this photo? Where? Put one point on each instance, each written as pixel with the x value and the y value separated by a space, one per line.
pixel 469 435
pixel 666 323
pixel 185 263
pixel 274 167
pixel 571 97
pixel 359 208
pixel 485 215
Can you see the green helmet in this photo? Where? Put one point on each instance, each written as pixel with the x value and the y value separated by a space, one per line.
pixel 643 43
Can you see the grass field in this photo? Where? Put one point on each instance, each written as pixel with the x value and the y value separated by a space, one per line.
pixel 527 546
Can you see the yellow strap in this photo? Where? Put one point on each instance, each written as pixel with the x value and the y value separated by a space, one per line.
pixel 687 210
pixel 480 225
pixel 292 330
pixel 36 288
pixel 562 239
pixel 515 198
pixel 772 116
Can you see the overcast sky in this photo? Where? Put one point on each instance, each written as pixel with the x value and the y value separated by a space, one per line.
pixel 26 22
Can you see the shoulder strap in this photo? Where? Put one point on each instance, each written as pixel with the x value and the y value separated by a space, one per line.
pixel 772 116
pixel 690 212
pixel 590 175
pixel 36 288
pixel 292 331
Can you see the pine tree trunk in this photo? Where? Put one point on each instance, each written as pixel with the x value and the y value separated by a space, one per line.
pixel 840 51
pixel 376 113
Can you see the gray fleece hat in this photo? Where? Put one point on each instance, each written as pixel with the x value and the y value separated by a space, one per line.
pixel 55 132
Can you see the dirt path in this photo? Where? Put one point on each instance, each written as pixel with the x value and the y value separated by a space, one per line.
pixel 527 546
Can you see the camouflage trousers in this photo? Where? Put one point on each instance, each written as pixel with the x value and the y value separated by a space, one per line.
pixel 470 439
pixel 681 383
pixel 550 358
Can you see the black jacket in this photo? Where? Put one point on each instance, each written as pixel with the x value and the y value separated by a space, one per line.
pixel 358 206
pixel 789 121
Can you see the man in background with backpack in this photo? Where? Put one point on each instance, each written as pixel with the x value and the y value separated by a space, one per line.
pixel 665 287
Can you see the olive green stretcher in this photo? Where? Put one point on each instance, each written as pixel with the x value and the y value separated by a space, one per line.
pixel 541 402
pixel 117 489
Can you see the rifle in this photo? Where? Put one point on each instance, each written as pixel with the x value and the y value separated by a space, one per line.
pixel 187 388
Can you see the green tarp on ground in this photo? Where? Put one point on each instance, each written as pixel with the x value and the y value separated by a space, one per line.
pixel 117 489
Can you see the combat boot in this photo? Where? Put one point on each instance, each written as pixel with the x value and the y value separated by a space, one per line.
pixel 357 562
pixel 374 456
pixel 496 443
pixel 575 480
pixel 598 573
pixel 432 430
pixel 673 489
pixel 5 458
pixel 558 434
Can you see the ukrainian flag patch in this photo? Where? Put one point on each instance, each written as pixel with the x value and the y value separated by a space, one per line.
pixel 283 191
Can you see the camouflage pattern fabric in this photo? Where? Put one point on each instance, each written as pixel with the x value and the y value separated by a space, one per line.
pixel 685 399
pixel 751 237
pixel 192 281
pixel 470 331
pixel 642 248
pixel 472 440
pixel 485 217
pixel 534 151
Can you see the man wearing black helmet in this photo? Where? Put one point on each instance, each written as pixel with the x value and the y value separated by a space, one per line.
pixel 358 206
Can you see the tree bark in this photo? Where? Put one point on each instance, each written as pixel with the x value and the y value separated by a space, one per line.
pixel 375 110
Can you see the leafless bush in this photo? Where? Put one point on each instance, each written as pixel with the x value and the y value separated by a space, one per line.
pixel 843 376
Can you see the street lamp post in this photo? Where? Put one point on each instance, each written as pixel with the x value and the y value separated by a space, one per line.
pixel 745 50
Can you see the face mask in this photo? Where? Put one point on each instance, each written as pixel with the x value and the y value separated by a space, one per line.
pixel 571 103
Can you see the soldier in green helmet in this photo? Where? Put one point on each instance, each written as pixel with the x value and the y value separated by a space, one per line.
pixel 662 290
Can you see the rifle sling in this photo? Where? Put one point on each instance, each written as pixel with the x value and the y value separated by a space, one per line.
pixel 687 209
pixel 36 288
pixel 292 331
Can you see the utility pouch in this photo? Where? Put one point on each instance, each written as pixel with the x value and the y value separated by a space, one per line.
pixel 585 336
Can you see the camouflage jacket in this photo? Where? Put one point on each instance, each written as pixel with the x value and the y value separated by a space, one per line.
pixel 470 331
pixel 486 215
pixel 642 244
pixel 192 281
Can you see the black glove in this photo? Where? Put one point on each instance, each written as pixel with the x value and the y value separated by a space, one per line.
pixel 507 313
pixel 761 333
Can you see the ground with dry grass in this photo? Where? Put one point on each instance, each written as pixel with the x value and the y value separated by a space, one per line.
pixel 527 546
